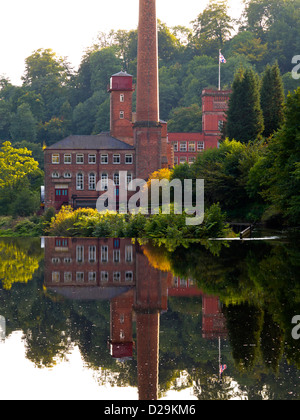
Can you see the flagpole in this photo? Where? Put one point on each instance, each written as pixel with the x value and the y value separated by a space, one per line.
pixel 219 71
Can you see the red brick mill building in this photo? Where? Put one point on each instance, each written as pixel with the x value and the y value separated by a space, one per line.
pixel 137 142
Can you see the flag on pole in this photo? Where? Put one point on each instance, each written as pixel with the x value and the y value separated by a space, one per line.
pixel 222 368
pixel 222 58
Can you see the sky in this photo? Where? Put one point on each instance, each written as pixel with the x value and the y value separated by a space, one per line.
pixel 69 27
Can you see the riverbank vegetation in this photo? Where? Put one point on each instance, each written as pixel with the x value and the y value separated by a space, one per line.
pixel 253 176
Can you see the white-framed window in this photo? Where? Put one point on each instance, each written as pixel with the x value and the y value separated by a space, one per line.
pixel 116 178
pixel 175 146
pixel 80 253
pixel 55 175
pixel 67 159
pixel 55 158
pixel 67 260
pixel 182 159
pixel 200 146
pixel 55 260
pixel 121 115
pixel 128 253
pixel 116 256
pixel 104 276
pixel 104 159
pixel 192 159
pixel 104 181
pixel 67 277
pixel 79 159
pixel 192 146
pixel 92 159
pixel 67 175
pixel 92 182
pixel 183 146
pixel 129 276
pixel 116 159
pixel 92 277
pixel 92 253
pixel 55 277
pixel 175 160
pixel 128 159
pixel 122 335
pixel 117 276
pixel 220 125
pixel 79 182
pixel 104 253
pixel 129 177
pixel 79 277
pixel 122 97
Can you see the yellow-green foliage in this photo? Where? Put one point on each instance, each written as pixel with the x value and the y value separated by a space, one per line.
pixel 15 265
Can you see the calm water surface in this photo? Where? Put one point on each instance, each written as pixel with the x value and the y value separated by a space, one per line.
pixel 116 319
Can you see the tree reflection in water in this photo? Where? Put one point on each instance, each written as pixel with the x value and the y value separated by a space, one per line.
pixel 152 315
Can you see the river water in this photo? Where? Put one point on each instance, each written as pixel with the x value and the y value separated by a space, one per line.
pixel 122 319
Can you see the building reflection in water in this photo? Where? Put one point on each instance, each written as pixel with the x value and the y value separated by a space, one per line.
pixel 119 271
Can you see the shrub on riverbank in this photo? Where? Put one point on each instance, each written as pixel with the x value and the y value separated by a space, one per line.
pixel 90 223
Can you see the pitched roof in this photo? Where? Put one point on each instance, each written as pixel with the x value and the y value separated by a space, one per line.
pixel 102 141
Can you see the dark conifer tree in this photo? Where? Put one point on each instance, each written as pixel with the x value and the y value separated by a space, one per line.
pixel 244 117
pixel 272 99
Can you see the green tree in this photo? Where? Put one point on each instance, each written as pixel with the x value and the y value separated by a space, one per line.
pixel 272 99
pixel 281 183
pixel 244 116
pixel 212 27
pixel 185 119
pixel 23 124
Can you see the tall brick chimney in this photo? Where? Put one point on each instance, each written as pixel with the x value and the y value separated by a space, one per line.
pixel 147 128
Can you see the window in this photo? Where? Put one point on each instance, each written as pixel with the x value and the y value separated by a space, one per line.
pixel 128 253
pixel 92 253
pixel 61 243
pixel 183 146
pixel 67 175
pixel 79 182
pixel 92 159
pixel 116 159
pixel 220 125
pixel 92 277
pixel 68 277
pixel 121 115
pixel 175 146
pixel 92 182
pixel 191 159
pixel 129 276
pixel 55 158
pixel 55 260
pixel 67 260
pixel 175 160
pixel 80 254
pixel 79 277
pixel 116 243
pixel 55 277
pixel 182 159
pixel 128 159
pixel 116 255
pixel 192 146
pixel 79 159
pixel 117 179
pixel 117 276
pixel 200 146
pixel 67 159
pixel 104 182
pixel 129 178
pixel 104 253
pixel 104 276
pixel 122 97
pixel 55 175
pixel 104 159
